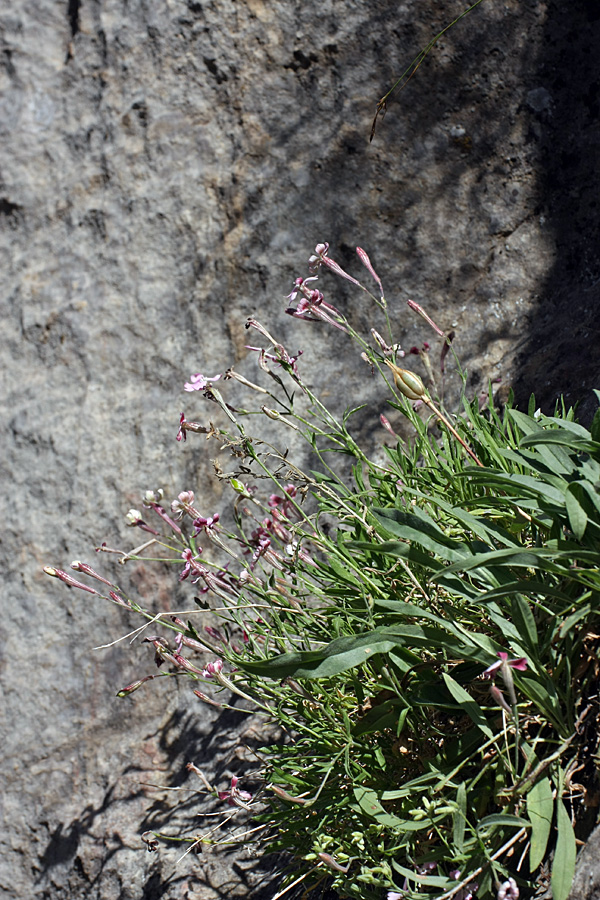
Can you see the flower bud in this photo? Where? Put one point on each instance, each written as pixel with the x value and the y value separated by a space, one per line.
pixel 68 579
pixel 153 496
pixel 124 692
pixel 408 383
pixel 239 487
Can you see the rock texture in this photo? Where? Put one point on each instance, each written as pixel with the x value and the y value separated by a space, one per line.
pixel 165 170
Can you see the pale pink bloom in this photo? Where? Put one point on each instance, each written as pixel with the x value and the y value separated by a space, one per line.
pixel 199 382
pixel 312 307
pixel 184 504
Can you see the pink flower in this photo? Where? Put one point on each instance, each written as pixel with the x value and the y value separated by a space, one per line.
pixel 212 669
pixel 316 258
pixel 203 523
pixel 503 662
pixel 311 306
pixel 190 565
pixel 199 382
pixel 298 285
pixel 234 796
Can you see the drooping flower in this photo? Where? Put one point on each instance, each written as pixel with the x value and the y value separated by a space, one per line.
pixel 503 661
pixel 504 665
pixel 191 564
pixel 317 257
pixel 234 796
pixel 311 305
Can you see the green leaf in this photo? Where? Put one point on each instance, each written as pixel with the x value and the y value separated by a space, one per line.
pixel 563 867
pixel 347 652
pixel 398 548
pixel 527 424
pixel 460 817
pixel 582 445
pixel 575 617
pixel 470 707
pixel 577 515
pixel 421 530
pixel 595 429
pixel 432 880
pixel 368 802
pixel 540 806
pixel 384 715
pixel 502 820
pixel 524 620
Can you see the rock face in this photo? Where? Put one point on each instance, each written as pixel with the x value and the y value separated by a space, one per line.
pixel 165 170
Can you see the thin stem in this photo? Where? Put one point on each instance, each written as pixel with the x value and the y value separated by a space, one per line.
pixel 430 404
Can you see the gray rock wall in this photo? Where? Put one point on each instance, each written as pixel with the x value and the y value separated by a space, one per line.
pixel 165 170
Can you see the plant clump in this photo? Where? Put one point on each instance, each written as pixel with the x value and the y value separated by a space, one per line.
pixel 421 624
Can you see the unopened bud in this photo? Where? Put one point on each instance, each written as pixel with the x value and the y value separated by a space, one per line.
pixel 271 413
pixel 134 686
pixel 117 599
pixel 68 579
pixel 153 496
pixel 285 796
pixel 239 487
pixel 408 383
pixel 420 311
pixel 134 517
pixel 386 424
pixel 276 416
pixel 87 570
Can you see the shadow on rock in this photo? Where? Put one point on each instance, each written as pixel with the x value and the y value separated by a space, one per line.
pixel 561 354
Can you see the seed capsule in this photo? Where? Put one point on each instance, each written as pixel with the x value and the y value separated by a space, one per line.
pixel 407 382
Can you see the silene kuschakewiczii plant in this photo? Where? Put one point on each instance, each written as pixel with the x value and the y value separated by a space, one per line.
pixel 421 624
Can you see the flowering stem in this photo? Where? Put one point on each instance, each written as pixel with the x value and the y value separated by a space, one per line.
pixel 429 403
